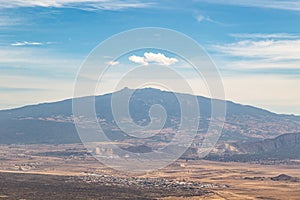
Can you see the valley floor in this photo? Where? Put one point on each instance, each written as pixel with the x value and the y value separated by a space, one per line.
pixel 66 172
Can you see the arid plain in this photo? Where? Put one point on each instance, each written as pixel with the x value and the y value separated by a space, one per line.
pixel 71 165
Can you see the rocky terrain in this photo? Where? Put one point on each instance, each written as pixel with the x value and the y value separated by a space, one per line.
pixel 283 147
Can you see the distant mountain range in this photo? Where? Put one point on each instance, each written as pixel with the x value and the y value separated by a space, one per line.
pixel 53 122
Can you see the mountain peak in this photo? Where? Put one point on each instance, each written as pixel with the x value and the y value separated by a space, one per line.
pixel 242 122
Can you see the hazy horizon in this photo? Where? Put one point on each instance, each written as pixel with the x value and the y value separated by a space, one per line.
pixel 255 46
pixel 100 94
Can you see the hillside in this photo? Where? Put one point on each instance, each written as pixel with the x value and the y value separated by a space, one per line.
pixel 286 146
pixel 53 122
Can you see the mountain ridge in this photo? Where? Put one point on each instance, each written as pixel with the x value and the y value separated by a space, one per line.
pixel 243 122
pixel 182 93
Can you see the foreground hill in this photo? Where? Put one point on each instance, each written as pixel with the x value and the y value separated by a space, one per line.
pixel 53 122
pixel 286 146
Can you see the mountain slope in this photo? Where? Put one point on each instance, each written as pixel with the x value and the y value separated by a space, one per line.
pixel 286 146
pixel 53 122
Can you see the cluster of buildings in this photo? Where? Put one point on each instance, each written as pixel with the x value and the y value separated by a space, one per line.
pixel 162 183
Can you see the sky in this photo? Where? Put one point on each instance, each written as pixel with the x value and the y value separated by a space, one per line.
pixel 255 45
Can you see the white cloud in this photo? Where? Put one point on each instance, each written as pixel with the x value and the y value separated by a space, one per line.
pixel 200 18
pixel 138 60
pixel 274 4
pixel 277 53
pixel 159 58
pixel 252 61
pixel 78 4
pixel 274 50
pixel 261 65
pixel 25 43
pixel 112 63
pixel 265 36
pixel 149 57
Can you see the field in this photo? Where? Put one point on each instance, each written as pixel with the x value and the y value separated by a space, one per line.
pixel 68 172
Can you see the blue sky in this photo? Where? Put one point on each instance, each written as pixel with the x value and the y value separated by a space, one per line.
pixel 255 44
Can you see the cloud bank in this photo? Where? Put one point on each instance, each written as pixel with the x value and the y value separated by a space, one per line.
pixel 261 51
pixel 293 5
pixel 268 49
pixel 78 4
